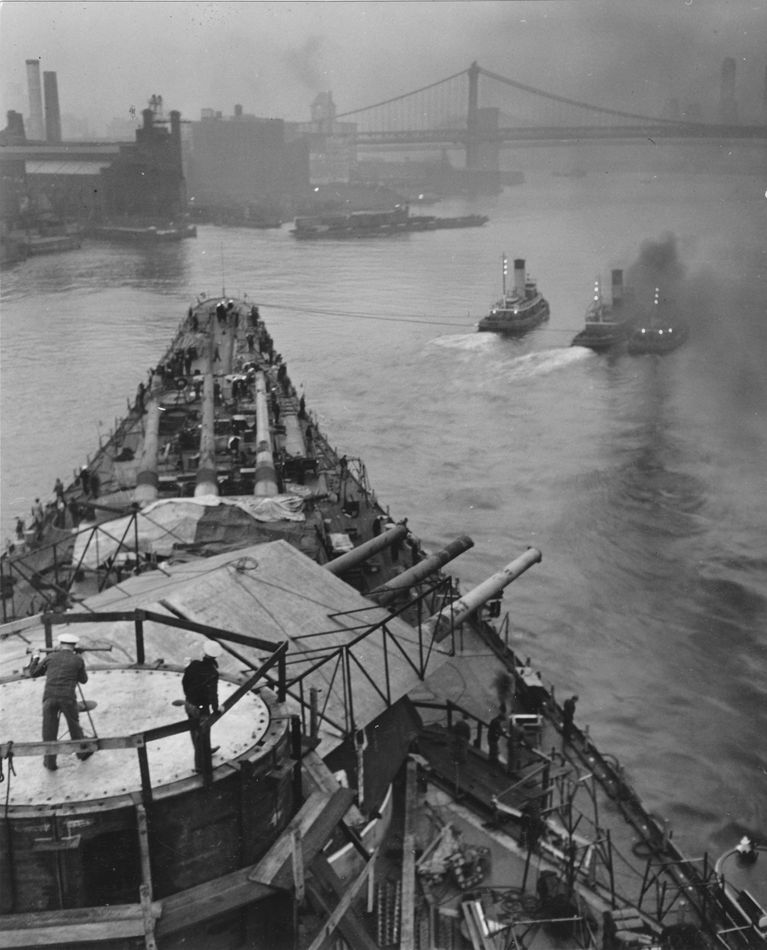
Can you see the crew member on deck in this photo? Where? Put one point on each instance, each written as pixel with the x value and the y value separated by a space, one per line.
pixel 200 685
pixel 495 732
pixel 63 669
pixel 515 743
pixel 568 715
pixel 461 736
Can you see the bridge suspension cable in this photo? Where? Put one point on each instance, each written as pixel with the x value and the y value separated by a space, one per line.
pixel 572 102
pixel 405 95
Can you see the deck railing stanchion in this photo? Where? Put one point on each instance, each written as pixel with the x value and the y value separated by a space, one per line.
pixel 146 781
pixel 349 702
pixel 281 678
pixel 314 725
pixel 2 586
pixel 203 738
pixel 297 753
pixel 135 541
pixel 138 622
pixel 48 625
pixel 385 635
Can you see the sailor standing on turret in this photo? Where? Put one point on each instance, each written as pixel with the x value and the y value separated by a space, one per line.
pixel 200 685
pixel 63 669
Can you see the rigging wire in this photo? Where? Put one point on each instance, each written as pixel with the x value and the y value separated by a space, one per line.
pixel 435 321
pixel 357 315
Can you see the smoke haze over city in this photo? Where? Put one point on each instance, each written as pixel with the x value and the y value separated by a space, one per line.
pixel 274 58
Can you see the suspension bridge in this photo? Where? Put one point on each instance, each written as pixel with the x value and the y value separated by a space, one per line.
pixel 484 117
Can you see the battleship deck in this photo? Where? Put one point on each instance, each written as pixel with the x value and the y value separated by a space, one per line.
pixel 357 675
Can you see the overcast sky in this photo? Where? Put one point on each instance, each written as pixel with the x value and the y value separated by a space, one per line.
pixel 273 58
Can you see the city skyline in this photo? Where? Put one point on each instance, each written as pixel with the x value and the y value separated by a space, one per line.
pixel 274 58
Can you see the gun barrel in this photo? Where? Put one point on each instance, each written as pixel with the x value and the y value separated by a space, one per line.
pixel 206 482
pixel 147 479
pixel 362 552
pixel 440 624
pixel 265 475
pixel 387 592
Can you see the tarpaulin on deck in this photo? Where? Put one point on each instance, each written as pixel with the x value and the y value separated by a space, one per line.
pixel 174 521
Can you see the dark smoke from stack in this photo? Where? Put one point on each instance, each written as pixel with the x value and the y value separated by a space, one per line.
pixel 658 265
pixel 724 310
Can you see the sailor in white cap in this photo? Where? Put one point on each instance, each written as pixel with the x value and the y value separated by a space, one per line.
pixel 200 684
pixel 63 668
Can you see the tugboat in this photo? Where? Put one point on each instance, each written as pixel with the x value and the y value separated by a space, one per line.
pixel 519 309
pixel 607 325
pixel 657 336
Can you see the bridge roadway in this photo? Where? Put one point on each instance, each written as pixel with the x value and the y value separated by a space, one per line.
pixel 554 134
pixel 101 152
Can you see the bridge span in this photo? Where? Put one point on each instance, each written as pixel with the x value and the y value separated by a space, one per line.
pixel 500 113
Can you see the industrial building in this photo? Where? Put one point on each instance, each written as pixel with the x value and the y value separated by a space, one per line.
pixel 244 168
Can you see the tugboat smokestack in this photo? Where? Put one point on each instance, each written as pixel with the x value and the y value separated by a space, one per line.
pixel 519 275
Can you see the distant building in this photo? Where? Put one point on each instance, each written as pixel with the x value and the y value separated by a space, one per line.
pixel 332 144
pixel 121 129
pixel 146 179
pixel 244 161
pixel 75 128
pixel 13 177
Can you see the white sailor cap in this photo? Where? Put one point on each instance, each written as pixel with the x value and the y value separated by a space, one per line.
pixel 211 648
pixel 68 638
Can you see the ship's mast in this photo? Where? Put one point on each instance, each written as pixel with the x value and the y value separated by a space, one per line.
pixel 505 271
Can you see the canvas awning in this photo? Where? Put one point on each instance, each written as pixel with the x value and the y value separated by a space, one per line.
pixel 182 521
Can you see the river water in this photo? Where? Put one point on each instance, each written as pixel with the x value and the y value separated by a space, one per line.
pixel 641 479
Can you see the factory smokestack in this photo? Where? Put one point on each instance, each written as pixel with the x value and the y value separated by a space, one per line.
pixel 52 111
pixel 35 128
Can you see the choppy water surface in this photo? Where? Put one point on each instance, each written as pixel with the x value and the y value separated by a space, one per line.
pixel 642 480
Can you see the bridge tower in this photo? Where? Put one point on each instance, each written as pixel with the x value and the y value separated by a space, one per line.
pixel 482 146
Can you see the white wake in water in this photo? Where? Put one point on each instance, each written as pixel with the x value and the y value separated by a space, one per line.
pixel 543 362
pixel 465 341
pixel 537 363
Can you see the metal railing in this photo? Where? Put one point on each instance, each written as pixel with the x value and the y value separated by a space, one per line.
pixel 140 740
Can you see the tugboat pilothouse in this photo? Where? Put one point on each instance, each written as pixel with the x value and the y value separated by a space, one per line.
pixel 519 309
